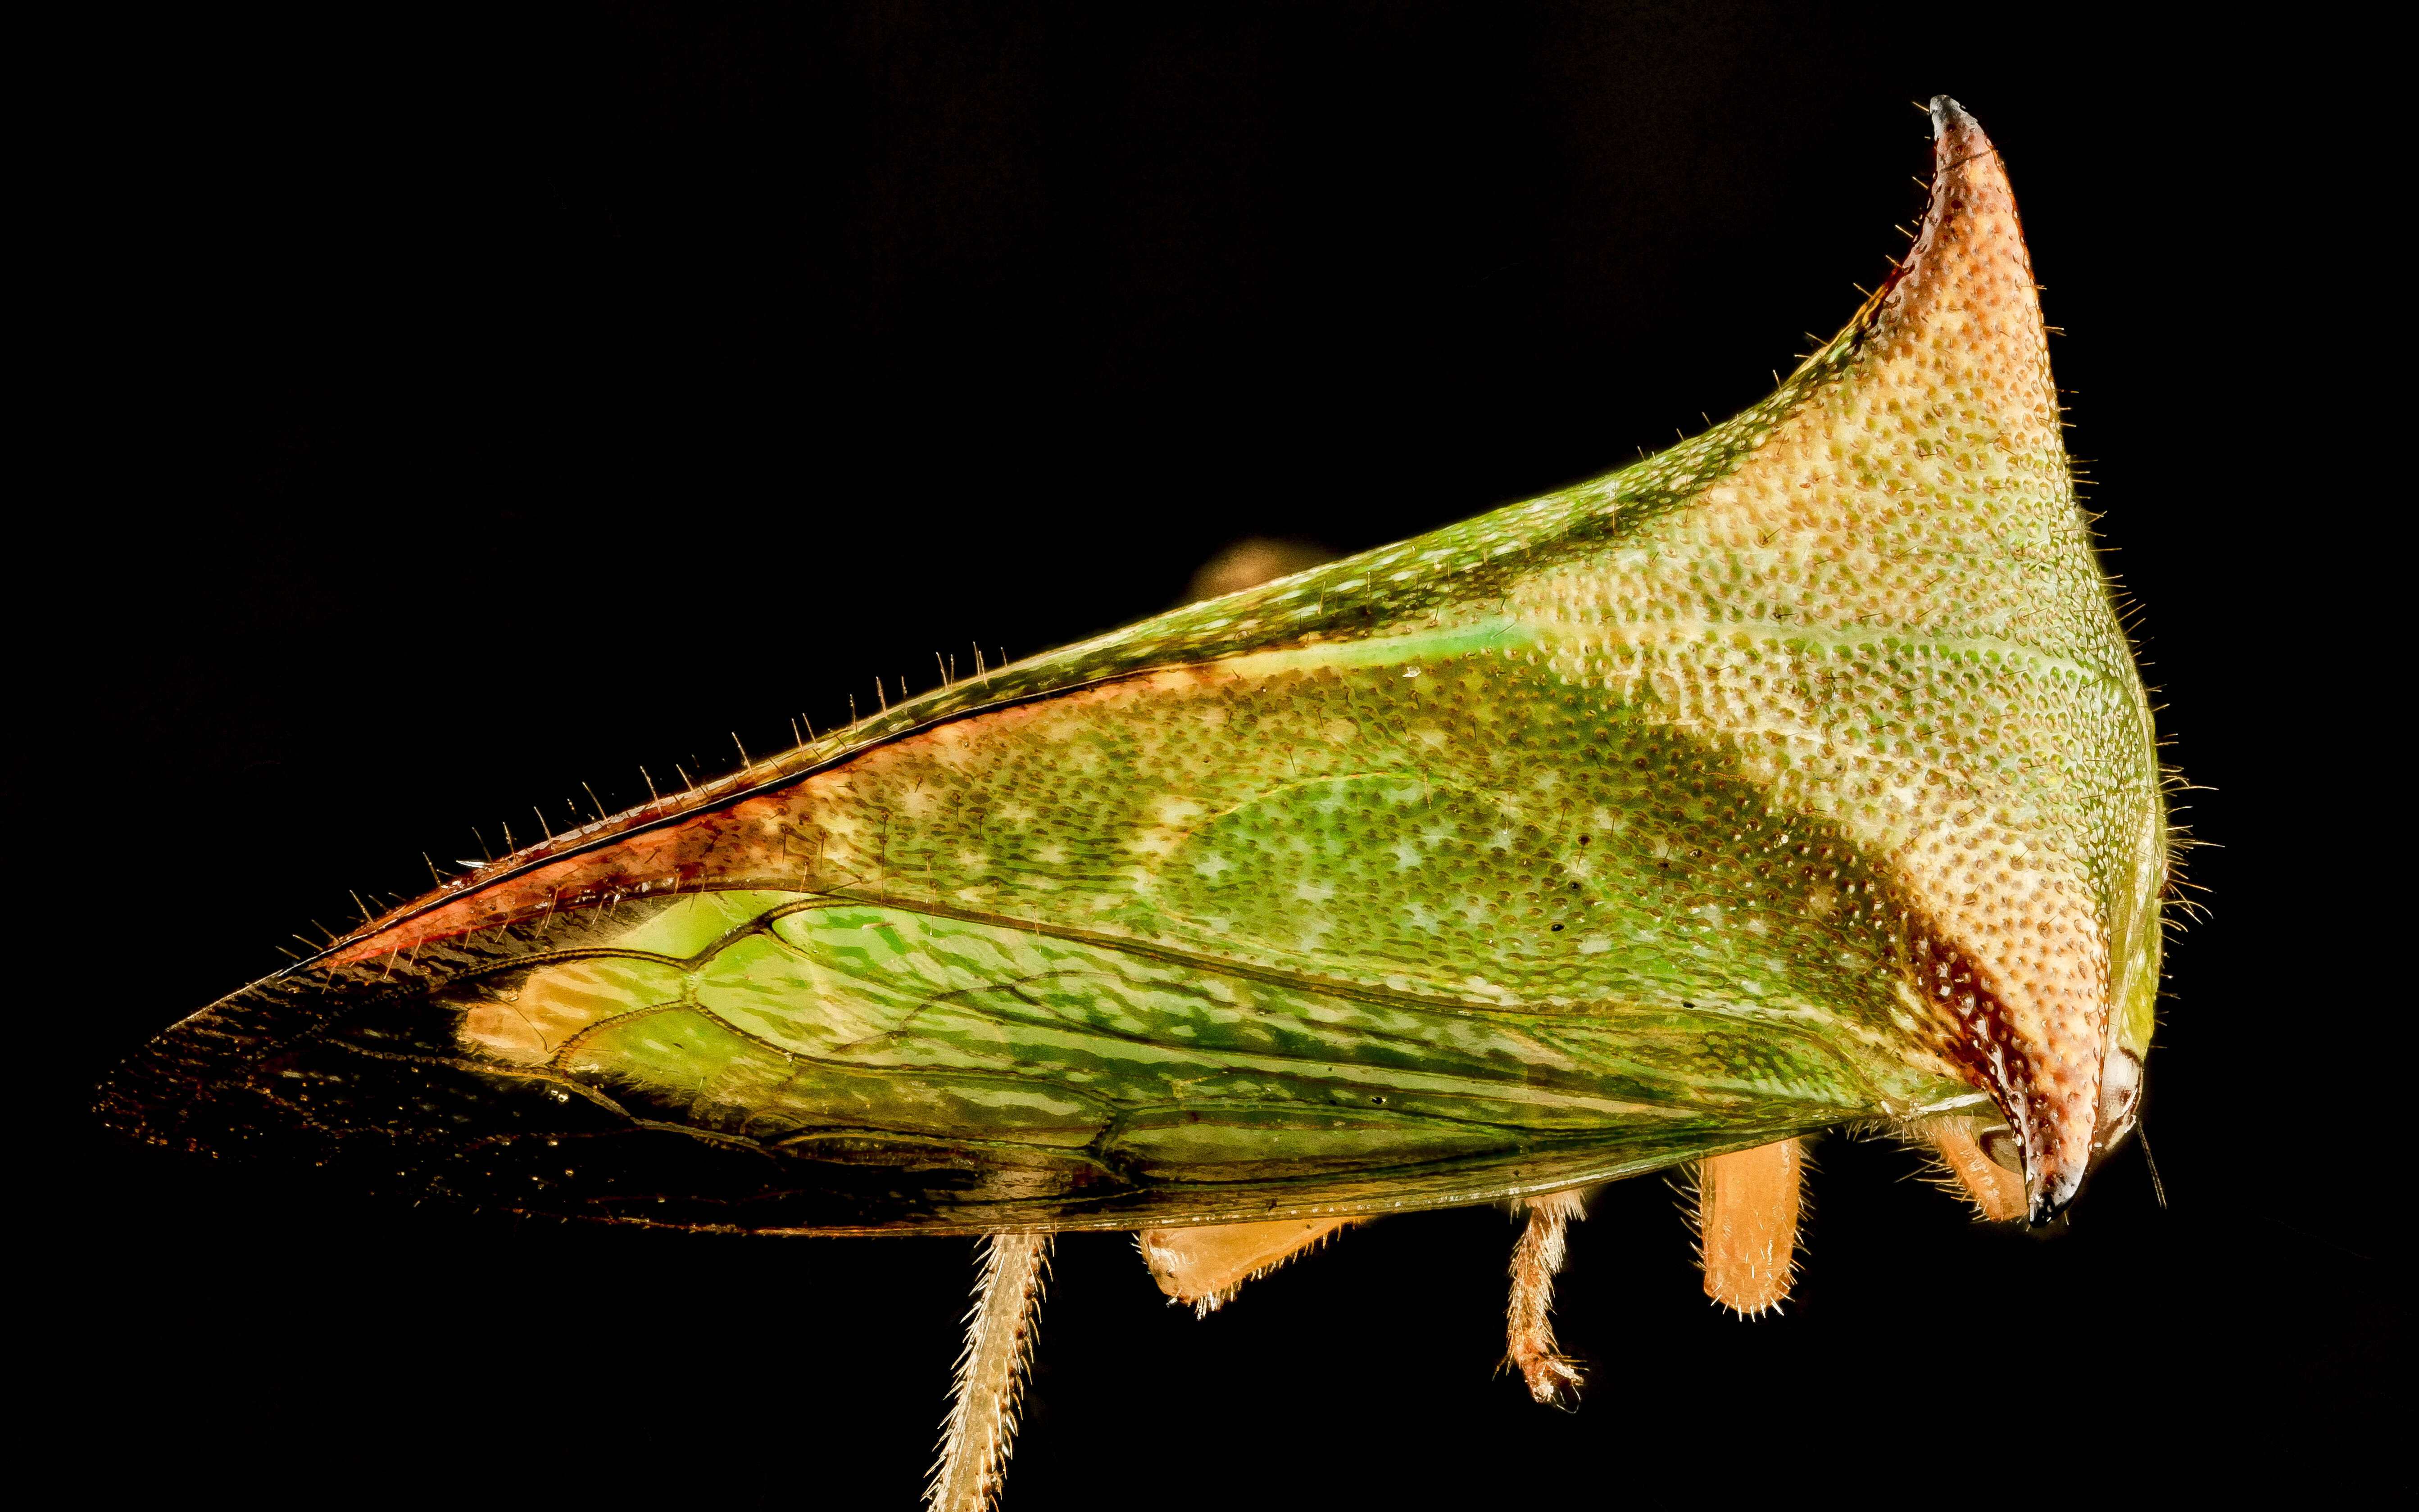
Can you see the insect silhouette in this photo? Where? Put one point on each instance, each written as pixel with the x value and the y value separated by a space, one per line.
pixel 1797 776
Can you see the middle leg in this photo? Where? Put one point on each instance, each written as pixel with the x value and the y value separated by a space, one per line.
pixel 1529 1317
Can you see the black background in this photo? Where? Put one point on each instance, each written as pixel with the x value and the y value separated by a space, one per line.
pixel 453 408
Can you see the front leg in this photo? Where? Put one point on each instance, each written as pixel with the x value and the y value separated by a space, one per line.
pixel 1747 1205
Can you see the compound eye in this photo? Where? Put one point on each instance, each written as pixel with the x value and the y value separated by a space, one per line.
pixel 2121 1099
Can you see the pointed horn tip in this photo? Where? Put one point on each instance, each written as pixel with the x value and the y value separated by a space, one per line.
pixel 1957 137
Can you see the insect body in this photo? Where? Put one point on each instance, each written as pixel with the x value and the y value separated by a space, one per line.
pixel 1797 776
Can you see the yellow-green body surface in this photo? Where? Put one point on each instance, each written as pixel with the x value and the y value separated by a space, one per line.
pixel 1796 777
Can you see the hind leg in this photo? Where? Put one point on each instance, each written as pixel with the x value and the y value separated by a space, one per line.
pixel 981 1426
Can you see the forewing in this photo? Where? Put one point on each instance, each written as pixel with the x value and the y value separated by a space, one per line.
pixel 828 1064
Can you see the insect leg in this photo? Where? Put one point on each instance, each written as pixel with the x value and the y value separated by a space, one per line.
pixel 1529 1319
pixel 1747 1223
pixel 981 1426
pixel 1998 1193
pixel 1207 1266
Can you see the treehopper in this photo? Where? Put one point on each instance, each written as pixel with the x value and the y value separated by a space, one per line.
pixel 1797 777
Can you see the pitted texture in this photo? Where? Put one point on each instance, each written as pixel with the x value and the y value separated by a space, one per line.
pixel 1817 730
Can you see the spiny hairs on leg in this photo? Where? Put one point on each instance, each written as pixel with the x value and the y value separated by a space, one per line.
pixel 1962 1164
pixel 1748 1203
pixel 981 1426
pixel 1529 1323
